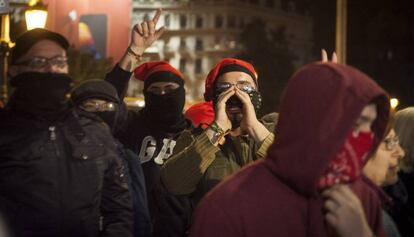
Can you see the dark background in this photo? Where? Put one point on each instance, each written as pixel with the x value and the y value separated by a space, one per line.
pixel 380 40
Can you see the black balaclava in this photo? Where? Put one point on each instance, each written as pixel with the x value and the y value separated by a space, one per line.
pixel 99 89
pixel 42 95
pixel 165 112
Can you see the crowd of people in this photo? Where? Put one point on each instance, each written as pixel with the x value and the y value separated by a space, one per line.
pixel 335 160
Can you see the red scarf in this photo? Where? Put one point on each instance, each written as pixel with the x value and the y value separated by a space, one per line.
pixel 349 161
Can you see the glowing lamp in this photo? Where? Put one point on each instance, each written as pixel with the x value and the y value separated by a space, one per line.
pixel 36 16
pixel 394 102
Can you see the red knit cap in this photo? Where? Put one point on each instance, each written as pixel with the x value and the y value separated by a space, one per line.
pixel 212 75
pixel 201 113
pixel 147 69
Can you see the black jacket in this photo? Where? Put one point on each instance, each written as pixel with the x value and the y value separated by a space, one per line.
pixel 63 178
pixel 170 214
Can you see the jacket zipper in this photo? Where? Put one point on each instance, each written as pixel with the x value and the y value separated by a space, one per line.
pixel 52 138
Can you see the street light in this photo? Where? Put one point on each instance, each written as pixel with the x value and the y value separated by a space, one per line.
pixel 394 103
pixel 36 16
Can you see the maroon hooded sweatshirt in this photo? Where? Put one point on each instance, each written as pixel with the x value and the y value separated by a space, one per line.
pixel 278 196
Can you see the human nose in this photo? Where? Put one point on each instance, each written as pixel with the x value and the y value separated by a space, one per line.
pixel 400 152
pixel 55 68
pixel 365 127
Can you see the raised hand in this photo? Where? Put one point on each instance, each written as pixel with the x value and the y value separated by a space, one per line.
pixel 249 120
pixel 324 57
pixel 144 34
pixel 344 212
pixel 221 118
pixel 250 124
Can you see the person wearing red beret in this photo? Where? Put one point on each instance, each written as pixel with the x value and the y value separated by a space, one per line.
pixel 152 132
pixel 332 117
pixel 204 157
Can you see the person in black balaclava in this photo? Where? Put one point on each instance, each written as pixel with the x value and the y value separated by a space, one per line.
pixel 60 173
pixel 100 98
pixel 164 97
pixel 151 133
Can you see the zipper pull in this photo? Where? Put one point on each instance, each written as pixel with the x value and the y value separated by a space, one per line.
pixel 52 133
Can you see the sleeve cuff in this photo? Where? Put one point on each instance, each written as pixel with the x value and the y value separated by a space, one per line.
pixel 262 152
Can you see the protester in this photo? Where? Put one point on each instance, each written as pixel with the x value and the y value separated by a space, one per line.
pixel 152 132
pixel 60 174
pixel 381 170
pixel 204 157
pixel 100 98
pixel 331 117
pixel 402 193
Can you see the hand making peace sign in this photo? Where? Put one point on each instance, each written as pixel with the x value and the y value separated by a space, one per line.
pixel 144 34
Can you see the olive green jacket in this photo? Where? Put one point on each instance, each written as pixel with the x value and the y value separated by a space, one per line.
pixel 197 165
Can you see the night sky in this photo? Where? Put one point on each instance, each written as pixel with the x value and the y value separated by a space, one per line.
pixel 380 40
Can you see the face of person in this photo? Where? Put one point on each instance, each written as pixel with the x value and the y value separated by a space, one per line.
pixel 162 88
pixel 382 168
pixel 395 153
pixel 44 56
pixel 366 119
pixel 228 81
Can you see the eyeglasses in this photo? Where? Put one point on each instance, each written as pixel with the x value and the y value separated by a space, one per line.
pixel 41 62
pixel 242 85
pixel 391 143
pixel 92 106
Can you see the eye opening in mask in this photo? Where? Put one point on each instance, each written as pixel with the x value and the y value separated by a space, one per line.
pixel 162 88
pixel 95 106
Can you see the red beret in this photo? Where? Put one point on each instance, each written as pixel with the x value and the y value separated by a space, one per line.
pixel 201 113
pixel 214 73
pixel 147 69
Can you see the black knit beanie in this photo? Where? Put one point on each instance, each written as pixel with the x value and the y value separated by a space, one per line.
pixel 29 38
pixel 94 89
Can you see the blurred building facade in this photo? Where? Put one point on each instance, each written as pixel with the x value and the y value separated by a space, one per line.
pixel 201 32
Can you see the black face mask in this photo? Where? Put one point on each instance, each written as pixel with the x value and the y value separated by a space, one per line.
pixel 165 110
pixel 40 94
pixel 108 117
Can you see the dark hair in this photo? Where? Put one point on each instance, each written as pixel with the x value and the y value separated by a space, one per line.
pixel 404 127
